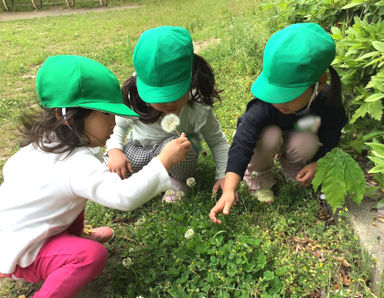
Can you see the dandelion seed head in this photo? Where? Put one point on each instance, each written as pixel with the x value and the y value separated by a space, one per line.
pixel 170 122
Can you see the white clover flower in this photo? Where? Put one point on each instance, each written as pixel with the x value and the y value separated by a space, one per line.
pixel 180 194
pixel 322 196
pixel 127 262
pixel 139 296
pixel 191 182
pixel 254 174
pixel 140 221
pixel 170 123
pixel 189 234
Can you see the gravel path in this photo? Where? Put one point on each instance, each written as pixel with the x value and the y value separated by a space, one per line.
pixel 19 15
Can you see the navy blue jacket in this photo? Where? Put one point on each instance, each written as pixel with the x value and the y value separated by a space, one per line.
pixel 260 114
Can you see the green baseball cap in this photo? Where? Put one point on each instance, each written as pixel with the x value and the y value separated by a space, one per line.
pixel 163 59
pixel 294 59
pixel 73 81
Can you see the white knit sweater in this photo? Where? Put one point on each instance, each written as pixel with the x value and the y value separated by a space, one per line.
pixel 43 193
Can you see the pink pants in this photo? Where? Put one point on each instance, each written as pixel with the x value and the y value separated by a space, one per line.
pixel 295 149
pixel 66 263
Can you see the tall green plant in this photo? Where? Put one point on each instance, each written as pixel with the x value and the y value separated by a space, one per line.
pixel 339 175
pixel 377 157
pixel 360 60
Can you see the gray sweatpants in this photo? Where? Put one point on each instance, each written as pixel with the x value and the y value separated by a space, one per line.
pixel 295 149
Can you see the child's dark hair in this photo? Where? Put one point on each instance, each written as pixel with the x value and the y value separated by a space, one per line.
pixel 202 90
pixel 334 98
pixel 52 133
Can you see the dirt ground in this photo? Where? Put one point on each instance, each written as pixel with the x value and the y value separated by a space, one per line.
pixel 18 15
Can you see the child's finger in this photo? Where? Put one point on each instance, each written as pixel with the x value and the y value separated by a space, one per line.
pixel 129 166
pixel 213 214
pixel 227 208
pixel 124 173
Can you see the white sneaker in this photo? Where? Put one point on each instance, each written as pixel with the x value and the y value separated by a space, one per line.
pixel 177 192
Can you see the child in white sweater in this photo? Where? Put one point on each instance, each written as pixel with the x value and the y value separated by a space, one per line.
pixel 48 182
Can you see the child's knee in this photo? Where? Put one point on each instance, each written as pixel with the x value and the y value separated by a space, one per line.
pixel 96 256
pixel 302 145
pixel 271 139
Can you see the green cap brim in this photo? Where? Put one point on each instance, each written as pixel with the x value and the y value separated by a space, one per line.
pixel 162 94
pixel 113 108
pixel 265 91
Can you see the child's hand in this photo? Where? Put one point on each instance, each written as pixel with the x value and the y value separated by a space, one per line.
pixel 175 152
pixel 118 163
pixel 306 174
pixel 224 205
pixel 218 185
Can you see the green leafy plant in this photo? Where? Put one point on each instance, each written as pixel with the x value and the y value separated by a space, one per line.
pixel 377 157
pixel 359 61
pixel 339 174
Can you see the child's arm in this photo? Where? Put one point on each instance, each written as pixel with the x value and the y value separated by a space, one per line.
pixel 175 152
pixel 218 144
pixel 227 199
pixel 89 180
pixel 117 162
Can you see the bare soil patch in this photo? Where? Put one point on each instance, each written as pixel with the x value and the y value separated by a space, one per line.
pixel 19 15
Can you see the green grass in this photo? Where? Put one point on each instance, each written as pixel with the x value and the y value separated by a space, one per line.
pixel 262 250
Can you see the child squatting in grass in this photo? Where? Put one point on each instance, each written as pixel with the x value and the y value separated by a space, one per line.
pixel 169 79
pixel 48 181
pixel 294 113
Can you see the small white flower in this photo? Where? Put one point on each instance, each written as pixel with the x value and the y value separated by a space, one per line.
pixel 322 196
pixel 189 234
pixel 254 174
pixel 170 123
pixel 191 182
pixel 140 221
pixel 180 194
pixel 139 296
pixel 127 262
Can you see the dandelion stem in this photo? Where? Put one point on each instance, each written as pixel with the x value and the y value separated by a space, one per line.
pixel 177 132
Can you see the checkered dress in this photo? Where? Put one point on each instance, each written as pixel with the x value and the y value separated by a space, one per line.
pixel 140 156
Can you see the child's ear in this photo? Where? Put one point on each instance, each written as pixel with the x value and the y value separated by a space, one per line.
pixel 323 80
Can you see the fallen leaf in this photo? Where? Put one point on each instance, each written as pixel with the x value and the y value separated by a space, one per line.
pixel 301 241
pixel 345 263
pixel 336 287
pixel 317 254
pixel 374 224
pixel 382 189
pixel 381 219
pixel 339 259
pixel 346 280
